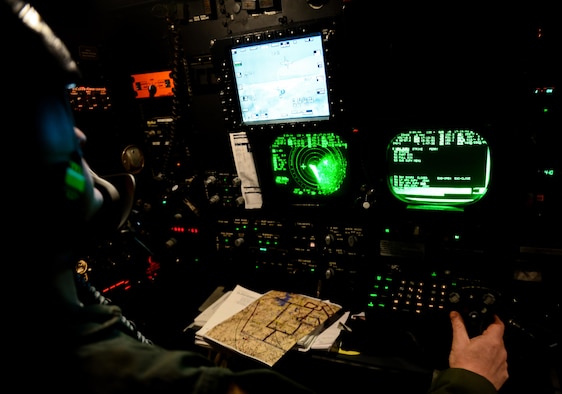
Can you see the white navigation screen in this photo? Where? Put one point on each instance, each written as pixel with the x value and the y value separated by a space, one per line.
pixel 282 81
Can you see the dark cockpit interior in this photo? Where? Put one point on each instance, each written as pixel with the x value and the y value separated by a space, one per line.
pixel 397 159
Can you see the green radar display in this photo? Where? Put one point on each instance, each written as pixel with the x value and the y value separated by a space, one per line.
pixel 313 164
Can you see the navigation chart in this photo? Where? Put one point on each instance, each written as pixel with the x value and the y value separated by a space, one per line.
pixel 271 325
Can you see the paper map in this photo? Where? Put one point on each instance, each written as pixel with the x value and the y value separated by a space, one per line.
pixel 271 325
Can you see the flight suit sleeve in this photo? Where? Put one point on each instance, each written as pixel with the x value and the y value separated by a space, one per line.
pixel 461 381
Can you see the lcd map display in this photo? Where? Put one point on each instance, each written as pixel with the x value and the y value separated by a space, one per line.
pixel 281 81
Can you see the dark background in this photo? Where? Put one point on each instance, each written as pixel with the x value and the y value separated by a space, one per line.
pixel 399 65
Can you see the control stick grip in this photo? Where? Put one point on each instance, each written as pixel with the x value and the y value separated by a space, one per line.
pixel 477 306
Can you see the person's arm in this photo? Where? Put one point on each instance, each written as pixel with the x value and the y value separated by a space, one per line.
pixel 476 365
pixel 461 381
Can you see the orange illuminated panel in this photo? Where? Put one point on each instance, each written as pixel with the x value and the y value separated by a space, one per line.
pixel 154 84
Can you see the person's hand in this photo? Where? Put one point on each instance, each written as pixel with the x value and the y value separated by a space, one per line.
pixel 485 354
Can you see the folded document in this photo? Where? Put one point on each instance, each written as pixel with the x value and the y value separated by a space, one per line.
pixel 266 326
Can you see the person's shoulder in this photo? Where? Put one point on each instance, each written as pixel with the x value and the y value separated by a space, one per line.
pixel 462 381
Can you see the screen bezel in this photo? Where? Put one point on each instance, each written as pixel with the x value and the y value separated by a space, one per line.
pixel 267 46
pixel 426 202
pixel 223 67
pixel 280 196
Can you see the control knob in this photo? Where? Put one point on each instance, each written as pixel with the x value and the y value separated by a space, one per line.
pixel 477 306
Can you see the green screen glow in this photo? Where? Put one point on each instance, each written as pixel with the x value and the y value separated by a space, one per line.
pixel 310 164
pixel 439 168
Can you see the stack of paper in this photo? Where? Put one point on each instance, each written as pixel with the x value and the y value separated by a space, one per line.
pixel 266 326
pixel 230 303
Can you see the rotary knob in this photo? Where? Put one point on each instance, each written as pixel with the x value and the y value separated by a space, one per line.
pixel 352 240
pixel 329 239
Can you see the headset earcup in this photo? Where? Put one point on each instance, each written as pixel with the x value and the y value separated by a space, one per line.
pixel 118 197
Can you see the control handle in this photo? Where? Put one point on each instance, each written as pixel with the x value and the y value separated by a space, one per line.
pixel 477 306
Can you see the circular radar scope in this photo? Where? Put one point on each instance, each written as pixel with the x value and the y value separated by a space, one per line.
pixel 310 164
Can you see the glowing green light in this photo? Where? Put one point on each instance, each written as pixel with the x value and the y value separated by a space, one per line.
pixel 311 164
pixel 329 173
pixel 423 173
pixel 282 180
pixel 75 181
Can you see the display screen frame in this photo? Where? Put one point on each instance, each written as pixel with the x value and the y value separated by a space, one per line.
pixel 325 28
pixel 282 80
pixel 455 171
pixel 308 168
